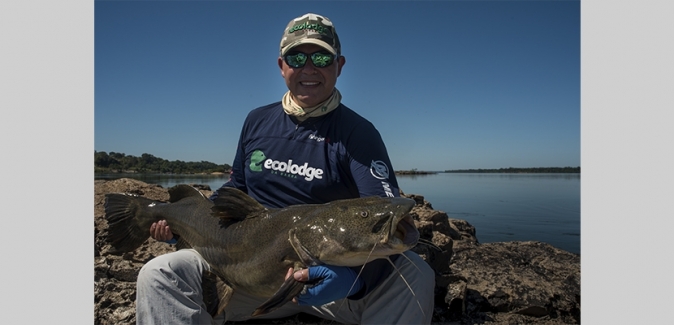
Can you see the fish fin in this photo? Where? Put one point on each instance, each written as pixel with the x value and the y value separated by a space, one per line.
pixel 125 234
pixel 182 191
pixel 216 293
pixel 225 293
pixel 304 255
pixel 182 244
pixel 289 289
pixel 235 205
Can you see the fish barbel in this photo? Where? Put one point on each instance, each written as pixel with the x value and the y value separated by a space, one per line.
pixel 250 247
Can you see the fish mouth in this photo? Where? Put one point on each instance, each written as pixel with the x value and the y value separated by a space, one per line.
pixel 404 232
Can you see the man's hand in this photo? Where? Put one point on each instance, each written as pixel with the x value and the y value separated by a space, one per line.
pixel 335 282
pixel 161 231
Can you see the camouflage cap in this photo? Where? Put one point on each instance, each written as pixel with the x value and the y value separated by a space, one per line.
pixel 310 29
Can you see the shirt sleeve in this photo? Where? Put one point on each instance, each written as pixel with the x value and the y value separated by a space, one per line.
pixel 370 164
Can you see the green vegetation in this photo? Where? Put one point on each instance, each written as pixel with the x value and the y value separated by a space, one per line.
pixel 520 170
pixel 147 163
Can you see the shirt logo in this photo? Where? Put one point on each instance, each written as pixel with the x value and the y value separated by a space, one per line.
pixel 259 161
pixel 378 169
pixel 256 160
pixel 316 137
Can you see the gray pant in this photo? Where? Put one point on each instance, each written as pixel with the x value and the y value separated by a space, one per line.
pixel 169 292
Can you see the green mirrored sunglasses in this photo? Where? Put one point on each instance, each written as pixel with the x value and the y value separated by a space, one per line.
pixel 320 59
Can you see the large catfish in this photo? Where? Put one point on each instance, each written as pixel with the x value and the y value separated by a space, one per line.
pixel 250 247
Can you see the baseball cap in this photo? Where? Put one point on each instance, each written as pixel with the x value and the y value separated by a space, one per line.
pixel 310 29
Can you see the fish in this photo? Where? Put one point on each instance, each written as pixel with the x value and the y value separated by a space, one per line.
pixel 250 247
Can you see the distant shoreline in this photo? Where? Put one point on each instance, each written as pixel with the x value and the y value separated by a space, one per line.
pixel 573 170
pixel 100 171
pixel 510 170
pixel 413 172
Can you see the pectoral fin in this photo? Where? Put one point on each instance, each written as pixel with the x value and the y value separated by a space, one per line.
pixel 290 287
pixel 285 293
pixel 301 251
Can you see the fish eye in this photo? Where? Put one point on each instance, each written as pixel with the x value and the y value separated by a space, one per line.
pixel 363 214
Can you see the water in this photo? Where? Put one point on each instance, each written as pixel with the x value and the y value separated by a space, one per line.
pixel 166 181
pixel 507 207
pixel 502 207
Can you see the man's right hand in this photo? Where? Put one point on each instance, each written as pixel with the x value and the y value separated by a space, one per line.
pixel 160 231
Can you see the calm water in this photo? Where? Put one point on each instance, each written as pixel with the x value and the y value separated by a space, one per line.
pixel 502 207
pixel 507 207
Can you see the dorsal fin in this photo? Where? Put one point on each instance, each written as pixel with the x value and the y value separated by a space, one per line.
pixel 235 205
pixel 182 191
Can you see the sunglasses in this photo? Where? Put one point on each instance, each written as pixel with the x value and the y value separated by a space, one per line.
pixel 320 59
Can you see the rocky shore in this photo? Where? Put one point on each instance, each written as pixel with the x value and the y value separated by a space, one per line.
pixel 494 283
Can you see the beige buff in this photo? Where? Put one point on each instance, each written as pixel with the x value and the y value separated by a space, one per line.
pixel 302 113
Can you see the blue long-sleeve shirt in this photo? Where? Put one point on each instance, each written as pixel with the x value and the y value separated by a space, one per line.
pixel 340 155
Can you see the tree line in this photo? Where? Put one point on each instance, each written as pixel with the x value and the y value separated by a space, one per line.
pixel 116 162
pixel 520 170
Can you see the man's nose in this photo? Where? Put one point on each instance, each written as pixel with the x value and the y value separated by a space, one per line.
pixel 309 67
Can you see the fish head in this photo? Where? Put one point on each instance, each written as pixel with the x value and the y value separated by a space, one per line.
pixel 353 232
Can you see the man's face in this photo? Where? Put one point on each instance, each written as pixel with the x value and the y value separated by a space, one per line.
pixel 310 85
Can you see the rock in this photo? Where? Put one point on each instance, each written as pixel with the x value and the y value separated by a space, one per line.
pixel 526 278
pixel 493 283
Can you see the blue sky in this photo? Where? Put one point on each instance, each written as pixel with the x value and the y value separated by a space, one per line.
pixel 449 84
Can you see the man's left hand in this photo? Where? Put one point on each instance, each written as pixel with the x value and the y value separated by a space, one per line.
pixel 335 282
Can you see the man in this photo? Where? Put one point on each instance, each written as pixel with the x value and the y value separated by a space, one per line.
pixel 308 148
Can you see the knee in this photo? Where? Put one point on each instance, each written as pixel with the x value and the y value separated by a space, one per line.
pixel 421 272
pixel 428 276
pixel 152 269
pixel 171 266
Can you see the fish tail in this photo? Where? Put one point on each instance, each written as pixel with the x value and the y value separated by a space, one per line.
pixel 124 215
